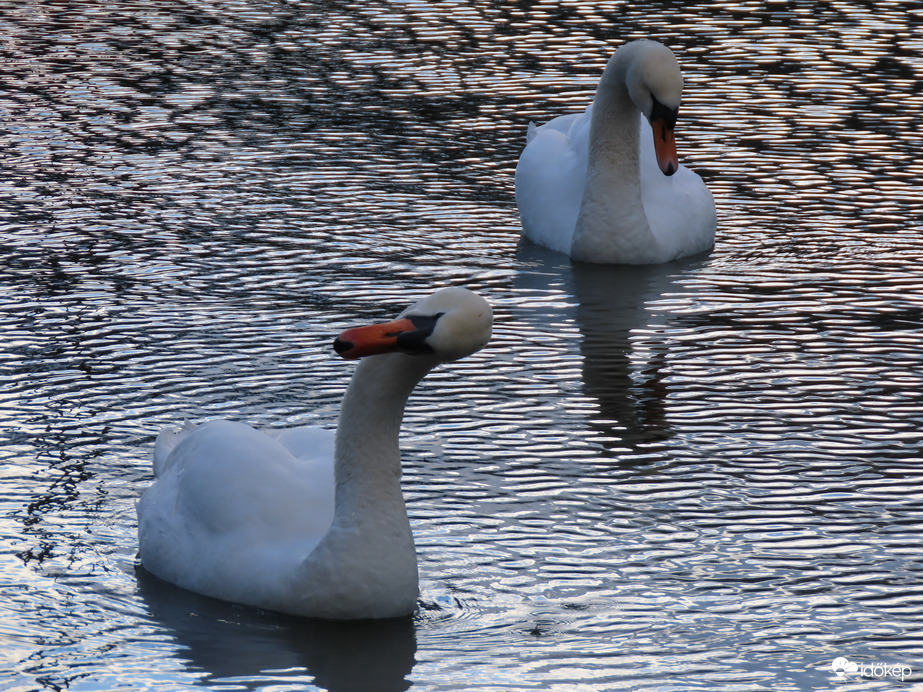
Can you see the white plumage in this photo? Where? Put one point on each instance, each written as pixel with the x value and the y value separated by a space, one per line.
pixel 594 186
pixel 307 521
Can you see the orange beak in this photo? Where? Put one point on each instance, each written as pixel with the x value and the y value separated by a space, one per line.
pixel 372 340
pixel 665 146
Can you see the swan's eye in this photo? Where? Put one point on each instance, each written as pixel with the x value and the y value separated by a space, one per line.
pixel 414 342
pixel 661 112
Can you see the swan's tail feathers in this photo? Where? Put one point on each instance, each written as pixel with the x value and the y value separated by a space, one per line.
pixel 166 442
pixel 530 133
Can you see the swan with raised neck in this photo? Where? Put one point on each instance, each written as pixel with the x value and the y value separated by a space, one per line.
pixel 270 520
pixel 582 187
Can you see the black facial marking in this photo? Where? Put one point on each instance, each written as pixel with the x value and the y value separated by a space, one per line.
pixel 414 342
pixel 661 112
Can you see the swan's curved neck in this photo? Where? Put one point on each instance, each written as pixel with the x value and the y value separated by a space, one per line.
pixel 612 225
pixel 367 561
pixel 367 461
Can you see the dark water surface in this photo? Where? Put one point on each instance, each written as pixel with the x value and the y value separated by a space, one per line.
pixel 700 476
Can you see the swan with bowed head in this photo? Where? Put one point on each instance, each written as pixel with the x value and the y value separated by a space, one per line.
pixel 606 186
pixel 306 521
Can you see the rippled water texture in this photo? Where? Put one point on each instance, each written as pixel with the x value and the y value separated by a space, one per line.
pixel 700 476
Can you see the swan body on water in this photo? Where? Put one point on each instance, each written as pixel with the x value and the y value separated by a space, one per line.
pixel 606 186
pixel 306 521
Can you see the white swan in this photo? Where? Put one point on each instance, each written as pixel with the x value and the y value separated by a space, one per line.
pixel 579 186
pixel 283 521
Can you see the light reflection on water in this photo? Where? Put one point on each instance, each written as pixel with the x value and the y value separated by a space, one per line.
pixel 697 476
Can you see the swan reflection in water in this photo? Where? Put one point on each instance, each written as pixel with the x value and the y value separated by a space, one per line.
pixel 246 644
pixel 622 370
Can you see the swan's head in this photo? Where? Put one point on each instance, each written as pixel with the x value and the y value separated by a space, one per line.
pixel 450 324
pixel 655 84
